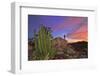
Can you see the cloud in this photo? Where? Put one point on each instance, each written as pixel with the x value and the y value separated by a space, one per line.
pixel 79 35
pixel 68 23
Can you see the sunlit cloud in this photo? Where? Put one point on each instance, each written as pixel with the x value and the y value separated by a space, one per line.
pixel 79 36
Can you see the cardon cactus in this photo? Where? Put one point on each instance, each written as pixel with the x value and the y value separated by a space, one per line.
pixel 43 44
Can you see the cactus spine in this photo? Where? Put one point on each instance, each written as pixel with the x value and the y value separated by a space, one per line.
pixel 43 44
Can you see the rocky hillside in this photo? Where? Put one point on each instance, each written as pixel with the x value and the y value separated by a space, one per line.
pixel 81 48
pixel 64 50
pixel 59 43
pixel 67 50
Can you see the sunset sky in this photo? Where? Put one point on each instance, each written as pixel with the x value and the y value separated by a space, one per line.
pixel 75 28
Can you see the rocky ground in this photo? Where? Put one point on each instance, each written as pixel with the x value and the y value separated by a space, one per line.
pixel 64 50
pixel 67 50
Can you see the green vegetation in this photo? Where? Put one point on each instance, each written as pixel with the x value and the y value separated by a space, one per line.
pixel 43 44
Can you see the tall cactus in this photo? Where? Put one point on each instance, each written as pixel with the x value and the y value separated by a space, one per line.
pixel 43 43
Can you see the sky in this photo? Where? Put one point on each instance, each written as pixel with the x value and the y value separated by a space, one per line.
pixel 75 28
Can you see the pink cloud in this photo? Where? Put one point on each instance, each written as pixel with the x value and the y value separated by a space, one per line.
pixel 68 23
pixel 79 35
pixel 83 28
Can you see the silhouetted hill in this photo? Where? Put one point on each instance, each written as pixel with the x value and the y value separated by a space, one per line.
pixel 79 45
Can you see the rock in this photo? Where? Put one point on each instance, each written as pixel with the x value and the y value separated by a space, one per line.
pixel 70 50
pixel 60 52
pixel 59 43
